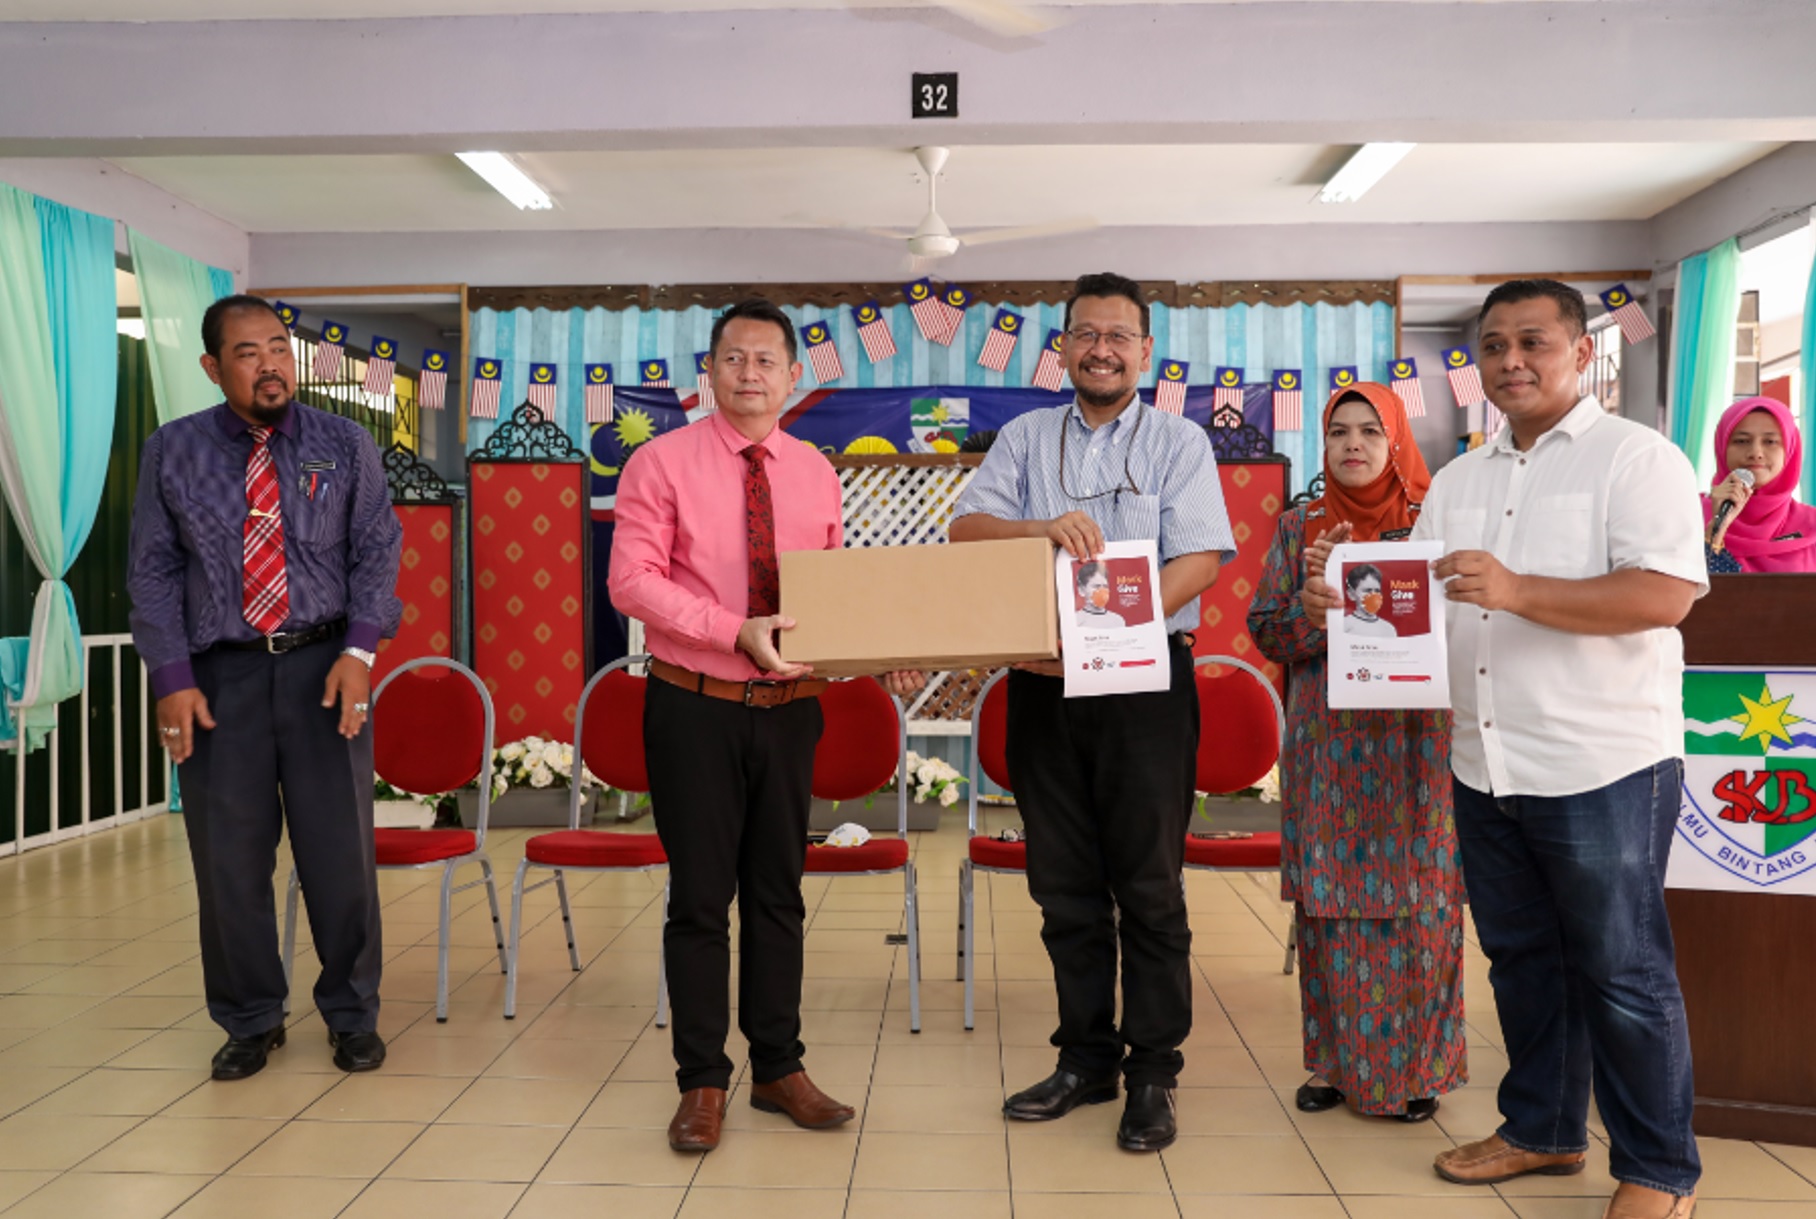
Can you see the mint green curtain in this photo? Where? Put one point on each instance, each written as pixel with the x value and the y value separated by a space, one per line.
pixel 1702 350
pixel 174 291
pixel 58 374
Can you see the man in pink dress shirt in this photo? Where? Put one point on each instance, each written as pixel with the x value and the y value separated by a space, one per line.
pixel 729 728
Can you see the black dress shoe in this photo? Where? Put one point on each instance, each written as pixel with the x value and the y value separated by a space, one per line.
pixel 357 1051
pixel 243 1056
pixel 1149 1119
pixel 1057 1095
pixel 1316 1098
pixel 1422 1110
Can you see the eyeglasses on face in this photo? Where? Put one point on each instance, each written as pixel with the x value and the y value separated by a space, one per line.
pixel 1122 340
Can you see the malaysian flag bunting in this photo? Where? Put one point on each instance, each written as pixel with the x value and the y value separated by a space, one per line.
pixel 598 393
pixel 329 350
pixel 542 388
pixel 1050 369
pixel 1000 344
pixel 822 352
pixel 873 331
pixel 1464 375
pixel 928 310
pixel 1342 378
pixel 1635 326
pixel 1289 401
pixel 1229 389
pixel 381 367
pixel 488 387
pixel 1405 382
pixel 956 300
pixel 1169 387
pixel 432 382
pixel 655 374
pixel 1491 419
pixel 703 380
pixel 287 313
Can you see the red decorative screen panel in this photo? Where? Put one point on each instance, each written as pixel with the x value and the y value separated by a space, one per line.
pixel 530 592
pixel 425 584
pixel 1255 495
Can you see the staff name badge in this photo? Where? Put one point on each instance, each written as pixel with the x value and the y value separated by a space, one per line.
pixel 1386 643
pixel 1111 625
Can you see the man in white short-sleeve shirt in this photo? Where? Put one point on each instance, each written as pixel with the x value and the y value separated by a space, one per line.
pixel 1573 545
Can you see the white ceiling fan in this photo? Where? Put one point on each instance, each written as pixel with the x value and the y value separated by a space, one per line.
pixel 933 239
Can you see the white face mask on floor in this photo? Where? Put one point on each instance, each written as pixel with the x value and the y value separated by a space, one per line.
pixel 848 835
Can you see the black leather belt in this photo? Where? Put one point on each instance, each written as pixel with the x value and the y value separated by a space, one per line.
pixel 290 641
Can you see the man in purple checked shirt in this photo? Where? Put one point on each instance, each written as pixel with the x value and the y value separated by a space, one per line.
pixel 263 572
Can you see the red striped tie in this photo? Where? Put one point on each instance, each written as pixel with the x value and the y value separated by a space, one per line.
pixel 265 594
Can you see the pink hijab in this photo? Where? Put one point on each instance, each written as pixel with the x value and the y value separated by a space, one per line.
pixel 1773 532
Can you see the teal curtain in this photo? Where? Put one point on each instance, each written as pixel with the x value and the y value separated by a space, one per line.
pixel 58 377
pixel 1702 350
pixel 174 291
pixel 1808 363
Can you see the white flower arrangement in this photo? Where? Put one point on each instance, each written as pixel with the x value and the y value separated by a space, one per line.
pixel 532 762
pixel 933 780
pixel 1269 787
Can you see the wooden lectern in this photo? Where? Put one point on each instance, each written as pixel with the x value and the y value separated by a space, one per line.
pixel 1747 961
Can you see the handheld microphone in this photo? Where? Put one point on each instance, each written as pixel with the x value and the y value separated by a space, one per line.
pixel 1745 478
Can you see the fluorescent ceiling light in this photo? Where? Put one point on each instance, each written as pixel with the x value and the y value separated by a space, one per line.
pixel 1367 167
pixel 507 179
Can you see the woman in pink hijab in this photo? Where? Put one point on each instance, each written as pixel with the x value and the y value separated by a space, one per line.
pixel 1769 531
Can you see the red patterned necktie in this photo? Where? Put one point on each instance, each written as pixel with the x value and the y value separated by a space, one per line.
pixel 760 520
pixel 265 590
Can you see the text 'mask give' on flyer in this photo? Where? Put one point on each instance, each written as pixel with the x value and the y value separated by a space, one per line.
pixel 1386 644
pixel 1111 622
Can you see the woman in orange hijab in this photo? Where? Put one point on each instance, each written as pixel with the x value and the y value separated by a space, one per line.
pixel 1368 847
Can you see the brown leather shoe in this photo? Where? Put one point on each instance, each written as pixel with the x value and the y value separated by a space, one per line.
pixel 795 1095
pixel 1637 1202
pixel 1493 1160
pixel 698 1120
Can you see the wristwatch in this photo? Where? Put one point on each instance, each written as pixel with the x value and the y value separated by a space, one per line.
pixel 360 654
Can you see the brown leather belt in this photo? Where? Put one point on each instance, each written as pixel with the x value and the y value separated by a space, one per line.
pixel 750 693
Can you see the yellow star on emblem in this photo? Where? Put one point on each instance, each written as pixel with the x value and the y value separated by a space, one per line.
pixel 1767 718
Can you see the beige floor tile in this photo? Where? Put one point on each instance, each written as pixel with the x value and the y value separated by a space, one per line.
pixel 179 1049
pixel 120 1093
pixel 382 1097
pixel 956 1110
pixel 1469 1114
pixel 72 1047
pixel 1081 1164
pixel 650 1060
pixel 589 1023
pixel 478 1153
pixel 16 1185
pixel 930 1162
pixel 633 1105
pixel 572 1059
pixel 1234 1206
pixel 522 1102
pixel 1400 1166
pixel 919 1204
pixel 36 1143
pixel 711 1202
pixel 1802 1160
pixel 271 1198
pixel 387 1199
pixel 1566 1208
pixel 768 1159
pixel 141 1012
pixel 1031 1205
pixel 929 1065
pixel 1228 1164
pixel 329 1149
pixel 1747 1171
pixel 182 1145
pixel 1382 1207
pixel 1232 1111
pixel 546 1201
pixel 619 1157
pixel 425 1055
pixel 267 1094
pixel 111 1194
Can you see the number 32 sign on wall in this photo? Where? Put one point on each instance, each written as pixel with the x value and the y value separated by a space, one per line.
pixel 934 95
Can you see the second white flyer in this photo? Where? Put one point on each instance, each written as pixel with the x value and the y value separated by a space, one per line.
pixel 1112 626
pixel 1386 644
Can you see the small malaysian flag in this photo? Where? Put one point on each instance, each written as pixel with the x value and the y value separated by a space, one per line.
pixel 287 313
pixel 928 310
pixel 488 387
pixel 655 374
pixel 1289 401
pixel 381 367
pixel 1343 377
pixel 1050 369
pixel 541 394
pixel 1228 392
pixel 873 331
pixel 598 393
pixel 703 380
pixel 1169 387
pixel 432 381
pixel 1491 419
pixel 1465 376
pixel 822 352
pixel 1000 345
pixel 329 350
pixel 1405 382
pixel 956 301
pixel 1635 326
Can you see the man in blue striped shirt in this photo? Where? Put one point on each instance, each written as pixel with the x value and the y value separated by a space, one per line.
pixel 1106 784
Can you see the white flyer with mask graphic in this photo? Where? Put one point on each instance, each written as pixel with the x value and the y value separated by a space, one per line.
pixel 1112 627
pixel 1386 643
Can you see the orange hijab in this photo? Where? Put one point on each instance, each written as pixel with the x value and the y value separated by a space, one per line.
pixel 1391 502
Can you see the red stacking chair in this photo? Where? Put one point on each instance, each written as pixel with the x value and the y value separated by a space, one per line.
pixel 433 735
pixel 608 740
pixel 989 738
pixel 866 739
pixel 1242 729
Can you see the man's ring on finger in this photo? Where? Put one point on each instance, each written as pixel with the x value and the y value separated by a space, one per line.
pixel 361 707
pixel 172 731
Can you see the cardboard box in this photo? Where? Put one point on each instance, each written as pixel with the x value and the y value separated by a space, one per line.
pixel 869 610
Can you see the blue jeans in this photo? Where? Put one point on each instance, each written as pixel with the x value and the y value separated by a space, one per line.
pixel 1569 905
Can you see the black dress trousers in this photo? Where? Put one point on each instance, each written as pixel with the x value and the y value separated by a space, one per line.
pixel 275 758
pixel 1105 786
pixel 731 787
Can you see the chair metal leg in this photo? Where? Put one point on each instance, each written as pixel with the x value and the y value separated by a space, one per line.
pixel 662 965
pixel 291 889
pixel 441 955
pixel 912 904
pixel 967 894
pixel 567 918
pixel 510 974
pixel 964 916
pixel 485 870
